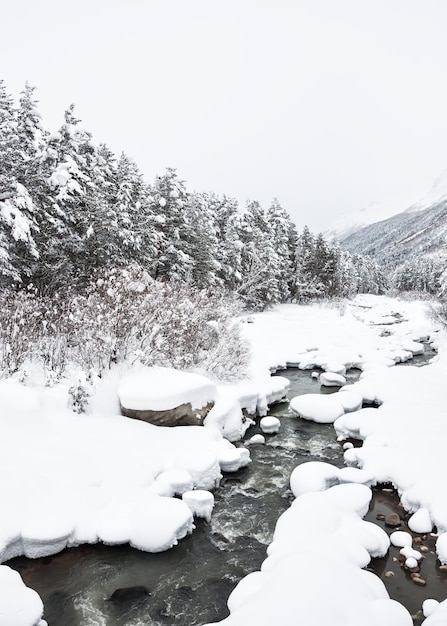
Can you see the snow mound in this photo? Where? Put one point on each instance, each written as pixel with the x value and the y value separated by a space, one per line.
pixel 420 522
pixel 19 605
pixel 157 523
pixel 437 615
pixel 350 400
pixel 441 548
pixel 313 476
pixel 324 409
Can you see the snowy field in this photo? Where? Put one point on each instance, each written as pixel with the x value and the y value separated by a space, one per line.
pixel 68 479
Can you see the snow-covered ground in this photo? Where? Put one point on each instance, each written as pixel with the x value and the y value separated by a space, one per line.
pixel 67 479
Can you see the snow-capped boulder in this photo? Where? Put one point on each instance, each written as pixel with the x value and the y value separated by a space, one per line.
pixel 270 425
pixel 165 396
pixel 324 409
pixel 331 379
pixel 256 439
pixel 200 502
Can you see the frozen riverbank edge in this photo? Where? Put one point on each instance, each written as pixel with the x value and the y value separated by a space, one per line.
pixel 102 477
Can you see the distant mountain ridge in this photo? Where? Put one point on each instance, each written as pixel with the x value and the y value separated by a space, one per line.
pixel 420 229
pixel 405 235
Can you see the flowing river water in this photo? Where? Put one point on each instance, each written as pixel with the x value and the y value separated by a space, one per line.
pixel 189 584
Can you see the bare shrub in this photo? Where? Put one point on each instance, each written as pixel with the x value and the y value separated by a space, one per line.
pixel 122 316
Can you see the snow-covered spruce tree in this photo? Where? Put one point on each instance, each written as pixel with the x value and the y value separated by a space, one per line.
pixel 135 220
pixel 117 224
pixel 305 283
pixel 284 237
pixel 169 205
pixel 420 274
pixel 229 251
pixel 17 216
pixel 202 240
pixel 68 172
pixel 439 308
pixel 259 260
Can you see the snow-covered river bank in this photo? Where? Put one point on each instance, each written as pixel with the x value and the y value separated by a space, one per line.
pixel 321 544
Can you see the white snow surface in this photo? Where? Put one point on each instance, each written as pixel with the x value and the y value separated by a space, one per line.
pixel 68 479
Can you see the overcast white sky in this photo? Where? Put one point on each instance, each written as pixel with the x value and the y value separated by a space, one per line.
pixel 328 105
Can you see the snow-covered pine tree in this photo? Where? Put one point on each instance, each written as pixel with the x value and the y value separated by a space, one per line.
pixel 229 251
pixel 259 259
pixel 17 218
pixel 69 161
pixel 169 205
pixel 202 241
pixel 305 284
pixel 284 238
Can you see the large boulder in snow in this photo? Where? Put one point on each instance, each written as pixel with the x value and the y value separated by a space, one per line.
pixel 166 397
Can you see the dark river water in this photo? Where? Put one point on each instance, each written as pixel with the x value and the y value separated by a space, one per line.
pixel 190 583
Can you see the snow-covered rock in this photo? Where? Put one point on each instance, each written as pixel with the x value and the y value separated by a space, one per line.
pixel 157 523
pixel 410 553
pixel 313 476
pixel 166 396
pixel 331 379
pixel 401 539
pixel 200 502
pixel 270 425
pixel 256 439
pixel 317 408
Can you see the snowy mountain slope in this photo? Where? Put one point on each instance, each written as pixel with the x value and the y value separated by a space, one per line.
pixel 416 231
pixel 376 212
pixel 371 214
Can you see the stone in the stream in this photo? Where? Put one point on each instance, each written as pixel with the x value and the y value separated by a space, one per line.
pixel 392 520
pixel 419 581
pixel 330 379
pixel 400 539
pixel 316 407
pixel 411 564
pixel 129 594
pixel 256 439
pixel 200 501
pixel 270 425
